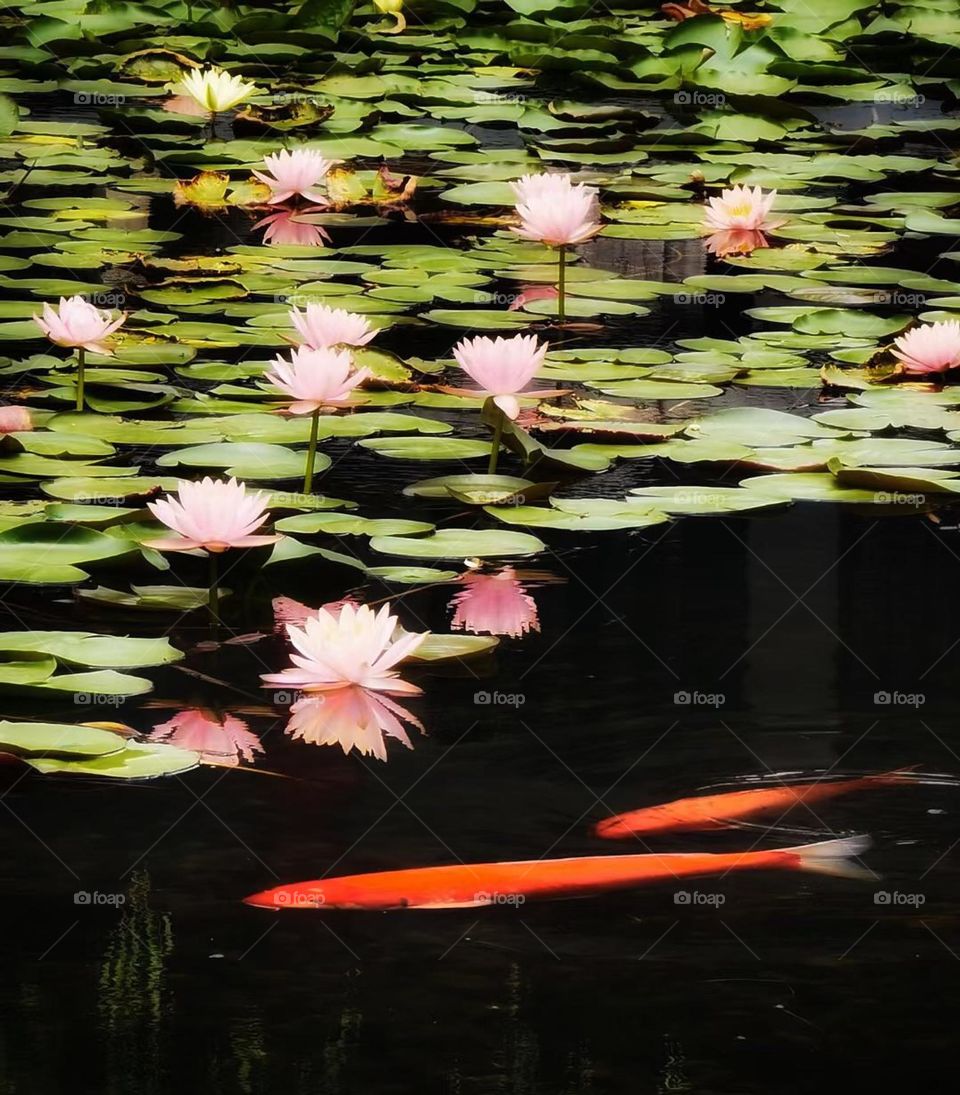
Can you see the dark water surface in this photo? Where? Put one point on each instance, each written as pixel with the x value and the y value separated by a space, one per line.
pixel 792 975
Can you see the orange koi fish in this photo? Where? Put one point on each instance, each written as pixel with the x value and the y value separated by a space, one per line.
pixel 470 885
pixel 723 810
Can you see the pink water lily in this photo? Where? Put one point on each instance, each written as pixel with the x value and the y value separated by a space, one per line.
pixel 321 326
pixel 741 207
pixel 555 210
pixel 295 174
pixel 222 740
pixel 213 515
pixel 15 420
pixel 355 646
pixel 930 348
pixel 502 367
pixel 353 718
pixel 494 604
pixel 288 227
pixel 78 324
pixel 316 378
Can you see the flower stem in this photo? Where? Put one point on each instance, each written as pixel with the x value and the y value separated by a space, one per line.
pixel 213 125
pixel 81 355
pixel 561 282
pixel 213 600
pixel 495 451
pixel 311 452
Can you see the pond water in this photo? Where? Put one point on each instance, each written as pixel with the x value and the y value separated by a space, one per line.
pixel 700 654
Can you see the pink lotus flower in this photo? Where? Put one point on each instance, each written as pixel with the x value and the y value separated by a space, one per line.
pixel 77 323
pixel 297 173
pixel 741 207
pixel 556 211
pixel 354 646
pixel 735 241
pixel 224 741
pixel 15 420
pixel 316 378
pixel 496 604
pixel 213 515
pixel 321 326
pixel 288 228
pixel 353 718
pixel 930 348
pixel 501 366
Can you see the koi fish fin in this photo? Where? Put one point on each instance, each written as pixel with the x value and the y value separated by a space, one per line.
pixel 898 775
pixel 835 857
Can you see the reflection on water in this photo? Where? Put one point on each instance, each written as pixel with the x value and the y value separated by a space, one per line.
pixel 219 739
pixel 288 226
pixel 134 1001
pixel 494 603
pixel 353 718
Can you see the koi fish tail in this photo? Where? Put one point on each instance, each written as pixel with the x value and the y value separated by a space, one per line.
pixel 834 857
pixel 898 775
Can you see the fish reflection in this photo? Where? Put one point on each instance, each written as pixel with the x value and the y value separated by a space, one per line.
pixel 288 227
pixel 735 241
pixel 353 718
pixel 724 810
pixel 223 740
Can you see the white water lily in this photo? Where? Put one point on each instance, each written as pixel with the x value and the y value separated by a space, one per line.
pixel 217 90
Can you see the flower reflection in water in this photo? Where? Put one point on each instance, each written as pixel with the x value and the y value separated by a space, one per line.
pixel 735 241
pixel 286 226
pixel 353 718
pixel 224 740
pixel 497 603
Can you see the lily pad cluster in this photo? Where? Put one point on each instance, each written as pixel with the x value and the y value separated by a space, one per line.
pixel 702 381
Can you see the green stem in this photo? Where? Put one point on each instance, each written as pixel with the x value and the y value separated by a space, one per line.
pixel 311 452
pixel 81 355
pixel 213 601
pixel 561 282
pixel 495 451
